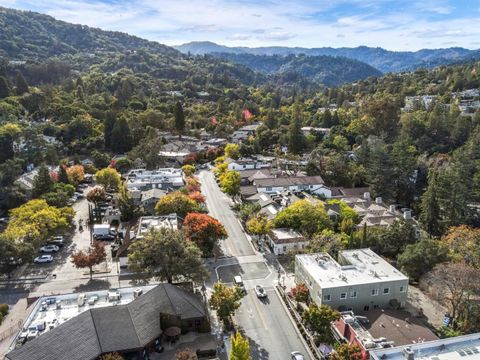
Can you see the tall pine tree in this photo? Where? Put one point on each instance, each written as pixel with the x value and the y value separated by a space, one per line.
pixel 22 86
pixel 108 125
pixel 121 136
pixel 179 118
pixel 42 182
pixel 4 88
pixel 430 208
pixel 296 139
pixel 62 175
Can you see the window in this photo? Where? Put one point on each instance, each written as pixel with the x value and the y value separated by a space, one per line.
pixel 366 308
pixel 327 297
pixel 343 295
pixel 353 294
pixel 386 291
pixel 269 188
pixel 402 288
pixel 374 292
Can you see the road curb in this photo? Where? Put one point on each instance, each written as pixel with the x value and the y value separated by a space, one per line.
pixel 307 347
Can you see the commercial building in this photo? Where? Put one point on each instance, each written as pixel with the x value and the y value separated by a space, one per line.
pixel 360 280
pixel 465 347
pixel 167 179
pixel 128 321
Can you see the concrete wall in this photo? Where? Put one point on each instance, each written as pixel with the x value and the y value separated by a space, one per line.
pixel 356 302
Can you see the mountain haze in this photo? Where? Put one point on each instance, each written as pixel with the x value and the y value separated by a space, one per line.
pixel 381 59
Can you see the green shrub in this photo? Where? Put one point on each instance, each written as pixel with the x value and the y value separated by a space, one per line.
pixel 3 309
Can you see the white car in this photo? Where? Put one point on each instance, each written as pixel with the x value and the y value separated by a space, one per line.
pixel 43 259
pixel 260 291
pixel 49 249
pixel 92 300
pixel 297 355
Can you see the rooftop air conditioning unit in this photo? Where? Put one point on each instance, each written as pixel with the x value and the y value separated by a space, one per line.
pixel 408 353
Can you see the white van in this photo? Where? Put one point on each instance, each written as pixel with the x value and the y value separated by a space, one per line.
pixel 237 281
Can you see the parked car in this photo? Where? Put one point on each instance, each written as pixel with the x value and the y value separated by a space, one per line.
pixel 92 300
pixel 260 291
pixel 4 220
pixel 32 332
pixel 43 259
pixel 79 195
pixel 104 237
pixel 49 249
pixel 57 240
pixel 297 355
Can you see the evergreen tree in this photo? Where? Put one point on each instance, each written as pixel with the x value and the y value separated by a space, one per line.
pixel 80 93
pixel 380 171
pixel 42 183
pixel 62 175
pixel 22 86
pixel 240 348
pixel 296 140
pixel 430 215
pixel 121 136
pixel 108 125
pixel 179 117
pixel 4 88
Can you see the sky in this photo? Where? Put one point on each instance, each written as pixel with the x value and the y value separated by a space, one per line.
pixel 393 25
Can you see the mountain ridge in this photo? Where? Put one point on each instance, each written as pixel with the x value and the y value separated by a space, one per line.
pixel 382 59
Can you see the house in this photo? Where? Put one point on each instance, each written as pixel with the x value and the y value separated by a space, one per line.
pixel 145 223
pixel 244 133
pixel 150 198
pixel 164 178
pixel 132 329
pixel 174 157
pixel 380 329
pixel 312 184
pixel 310 130
pixel 284 240
pixel 452 348
pixel 360 280
pixel 246 164
pixel 215 142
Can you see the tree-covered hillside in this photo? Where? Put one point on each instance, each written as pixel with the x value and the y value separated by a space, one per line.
pixel 327 70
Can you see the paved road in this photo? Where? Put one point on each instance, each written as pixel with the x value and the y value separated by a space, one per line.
pixel 219 204
pixel 266 323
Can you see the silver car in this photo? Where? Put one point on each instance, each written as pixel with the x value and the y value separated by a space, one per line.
pixel 49 249
pixel 297 355
pixel 43 259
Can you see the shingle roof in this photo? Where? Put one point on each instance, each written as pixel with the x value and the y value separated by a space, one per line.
pixel 113 328
pixel 290 181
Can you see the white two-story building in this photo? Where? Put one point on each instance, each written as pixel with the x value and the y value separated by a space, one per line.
pixel 360 280
pixel 311 184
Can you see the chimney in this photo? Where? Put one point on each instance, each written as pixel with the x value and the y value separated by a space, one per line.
pixel 366 195
pixel 378 200
pixel 407 215
pixel 392 209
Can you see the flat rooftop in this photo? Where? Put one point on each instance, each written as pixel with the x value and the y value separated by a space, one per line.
pixel 465 347
pixel 285 234
pixel 355 267
pixel 54 310
pixel 156 222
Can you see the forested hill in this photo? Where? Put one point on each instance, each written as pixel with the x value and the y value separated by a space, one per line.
pixel 381 59
pixel 328 70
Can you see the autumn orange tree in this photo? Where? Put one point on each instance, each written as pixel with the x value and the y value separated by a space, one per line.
pixel 347 352
pixel 204 230
pixel 300 293
pixel 197 197
pixel 76 174
pixel 94 255
pixel 193 185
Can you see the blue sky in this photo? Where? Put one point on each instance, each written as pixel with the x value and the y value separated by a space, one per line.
pixel 394 25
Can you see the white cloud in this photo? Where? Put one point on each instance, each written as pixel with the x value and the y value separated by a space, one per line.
pixel 312 23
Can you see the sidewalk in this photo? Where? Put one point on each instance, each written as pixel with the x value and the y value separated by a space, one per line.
pixel 12 324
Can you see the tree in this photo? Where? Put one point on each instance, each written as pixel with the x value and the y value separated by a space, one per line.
pixel 62 175
pixel 300 293
pixel 259 225
pixel 42 182
pixel 179 118
pixel 148 150
pixel 225 301
pixel 463 244
pixel 108 125
pixel 186 354
pixel 4 88
pixel 380 170
pixel 121 140
pixel 22 86
pixel 232 151
pixel 240 349
pixel 328 241
pixel 318 319
pixel 230 182
pixel 112 356
pixel 60 195
pixel 76 174
pixel 204 231
pixel 303 216
pixel 188 170
pixel 347 352
pixel 109 178
pixel 197 197
pixel 166 255
pixel 13 253
pixel 296 139
pixel 454 285
pixel 35 221
pixel 421 257
pixel 430 207
pixel 126 205
pixel 176 203
pixel 96 195
pixel 94 255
